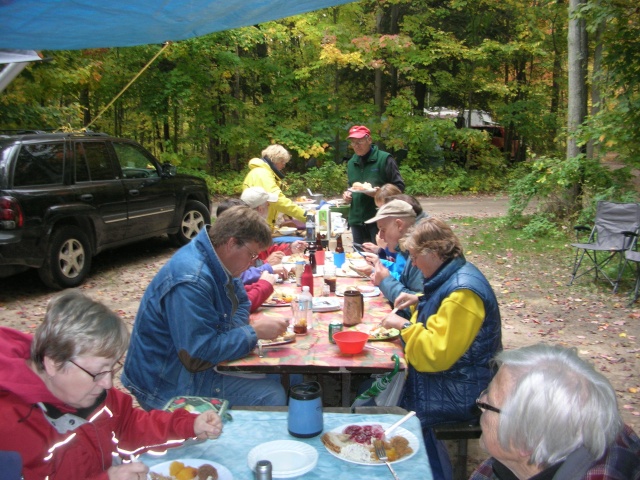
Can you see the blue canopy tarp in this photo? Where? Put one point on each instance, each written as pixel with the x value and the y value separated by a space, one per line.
pixel 80 24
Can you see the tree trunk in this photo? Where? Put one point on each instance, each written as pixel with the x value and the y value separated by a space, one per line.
pixel 592 150
pixel 577 96
pixel 577 79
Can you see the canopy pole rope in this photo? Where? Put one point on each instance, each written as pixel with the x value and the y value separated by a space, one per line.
pixel 164 47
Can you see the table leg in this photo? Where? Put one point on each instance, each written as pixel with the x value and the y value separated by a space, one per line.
pixel 346 389
pixel 285 381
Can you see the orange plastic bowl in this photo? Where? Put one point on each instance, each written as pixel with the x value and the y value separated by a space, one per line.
pixel 350 341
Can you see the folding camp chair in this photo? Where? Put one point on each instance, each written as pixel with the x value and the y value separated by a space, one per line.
pixel 615 227
pixel 633 255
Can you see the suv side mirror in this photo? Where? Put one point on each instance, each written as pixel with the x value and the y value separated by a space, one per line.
pixel 169 170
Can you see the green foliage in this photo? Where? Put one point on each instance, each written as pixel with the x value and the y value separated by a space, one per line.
pixel 548 180
pixel 450 180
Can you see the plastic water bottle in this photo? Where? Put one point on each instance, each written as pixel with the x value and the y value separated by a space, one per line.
pixel 306 304
pixel 310 226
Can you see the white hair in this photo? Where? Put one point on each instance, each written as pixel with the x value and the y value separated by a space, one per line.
pixel 276 153
pixel 558 404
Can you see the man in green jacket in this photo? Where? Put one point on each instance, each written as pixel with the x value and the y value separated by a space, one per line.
pixel 369 165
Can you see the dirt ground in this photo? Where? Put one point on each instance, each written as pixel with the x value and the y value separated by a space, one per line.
pixel 536 303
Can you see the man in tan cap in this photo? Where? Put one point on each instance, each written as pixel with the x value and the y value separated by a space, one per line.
pixel 368 169
pixel 394 219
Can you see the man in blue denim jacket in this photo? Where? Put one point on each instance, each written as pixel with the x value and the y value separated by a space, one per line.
pixel 195 314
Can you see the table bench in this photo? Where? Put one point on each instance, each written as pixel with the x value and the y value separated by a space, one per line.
pixel 460 433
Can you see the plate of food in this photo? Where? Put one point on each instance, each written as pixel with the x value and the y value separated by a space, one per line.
pixel 287 230
pixel 302 200
pixel 278 299
pixel 287 337
pixel 381 334
pixel 289 458
pixel 362 187
pixel 189 468
pixel 354 443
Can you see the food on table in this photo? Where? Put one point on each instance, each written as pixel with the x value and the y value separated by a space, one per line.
pixel 280 298
pixel 302 198
pixel 381 332
pixel 361 186
pixel 285 337
pixel 179 471
pixel 355 443
pixel 293 258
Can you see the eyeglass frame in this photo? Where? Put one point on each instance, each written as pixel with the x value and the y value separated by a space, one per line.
pixel 252 254
pixel 100 375
pixel 485 406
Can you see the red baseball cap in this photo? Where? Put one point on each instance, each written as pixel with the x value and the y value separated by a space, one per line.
pixel 359 131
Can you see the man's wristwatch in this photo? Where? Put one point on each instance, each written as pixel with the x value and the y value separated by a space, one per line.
pixel 406 325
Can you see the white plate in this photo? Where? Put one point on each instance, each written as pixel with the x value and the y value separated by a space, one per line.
pixel 375 293
pixel 163 468
pixel 326 304
pixel 403 432
pixel 347 273
pixel 289 458
pixel 373 190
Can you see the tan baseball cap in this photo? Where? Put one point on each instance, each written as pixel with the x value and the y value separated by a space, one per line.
pixel 395 208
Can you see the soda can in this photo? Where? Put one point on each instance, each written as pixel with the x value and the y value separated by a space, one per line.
pixel 334 326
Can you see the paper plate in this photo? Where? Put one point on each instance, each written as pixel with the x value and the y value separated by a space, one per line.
pixel 163 468
pixel 326 304
pixel 287 230
pixel 403 432
pixel 373 190
pixel 374 293
pixel 289 458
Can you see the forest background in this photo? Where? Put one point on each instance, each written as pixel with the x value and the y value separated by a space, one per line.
pixel 211 103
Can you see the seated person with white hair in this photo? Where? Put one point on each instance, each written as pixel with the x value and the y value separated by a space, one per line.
pixel 547 414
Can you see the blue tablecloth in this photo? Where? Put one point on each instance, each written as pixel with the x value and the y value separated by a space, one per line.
pixel 251 428
pixel 286 239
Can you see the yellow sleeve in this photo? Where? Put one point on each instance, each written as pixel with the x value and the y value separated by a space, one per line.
pixel 448 333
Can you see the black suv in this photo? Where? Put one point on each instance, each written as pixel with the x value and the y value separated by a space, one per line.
pixel 64 197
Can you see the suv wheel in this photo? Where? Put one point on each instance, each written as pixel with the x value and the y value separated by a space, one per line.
pixel 194 218
pixel 68 259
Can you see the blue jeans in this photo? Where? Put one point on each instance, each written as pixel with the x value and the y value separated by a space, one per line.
pixel 238 391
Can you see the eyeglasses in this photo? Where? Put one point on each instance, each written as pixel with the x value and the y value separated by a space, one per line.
pixel 252 254
pixel 486 406
pixel 360 141
pixel 414 256
pixel 99 376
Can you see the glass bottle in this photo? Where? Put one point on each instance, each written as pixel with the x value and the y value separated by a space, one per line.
pixel 313 262
pixel 339 247
pixel 339 256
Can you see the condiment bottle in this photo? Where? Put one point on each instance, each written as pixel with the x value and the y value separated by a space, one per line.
pixel 263 470
pixel 307 278
pixel 313 262
pixel 319 250
pixel 339 256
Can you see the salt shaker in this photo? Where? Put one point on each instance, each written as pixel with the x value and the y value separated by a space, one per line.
pixel 263 470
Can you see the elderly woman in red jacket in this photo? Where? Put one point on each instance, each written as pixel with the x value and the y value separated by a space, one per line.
pixel 58 407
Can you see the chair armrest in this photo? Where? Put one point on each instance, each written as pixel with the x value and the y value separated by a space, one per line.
pixel 630 234
pixel 581 228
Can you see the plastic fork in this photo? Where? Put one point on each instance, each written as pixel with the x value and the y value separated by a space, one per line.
pixel 382 455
